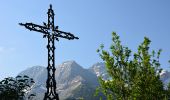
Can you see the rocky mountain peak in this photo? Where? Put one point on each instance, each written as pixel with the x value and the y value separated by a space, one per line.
pixel 69 67
pixel 33 71
pixel 99 70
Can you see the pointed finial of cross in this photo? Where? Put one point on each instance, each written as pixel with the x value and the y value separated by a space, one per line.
pixel 50 6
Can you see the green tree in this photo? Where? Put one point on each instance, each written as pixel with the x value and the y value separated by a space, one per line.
pixel 15 88
pixel 132 77
pixel 167 92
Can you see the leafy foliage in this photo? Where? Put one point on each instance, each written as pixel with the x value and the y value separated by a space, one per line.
pixel 15 88
pixel 134 77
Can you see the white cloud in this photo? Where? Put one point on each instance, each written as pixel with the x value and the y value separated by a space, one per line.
pixel 1 49
pixel 6 49
pixel 6 53
pixel 11 49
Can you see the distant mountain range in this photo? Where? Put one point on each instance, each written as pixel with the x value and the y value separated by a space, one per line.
pixel 73 81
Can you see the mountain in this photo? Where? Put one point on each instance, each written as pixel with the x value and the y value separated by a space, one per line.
pixel 99 70
pixel 38 73
pixel 165 77
pixel 73 81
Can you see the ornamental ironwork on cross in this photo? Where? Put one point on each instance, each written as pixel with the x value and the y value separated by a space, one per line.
pixel 52 33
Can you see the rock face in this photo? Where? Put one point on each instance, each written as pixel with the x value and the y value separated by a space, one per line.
pixel 99 70
pixel 73 81
pixel 165 77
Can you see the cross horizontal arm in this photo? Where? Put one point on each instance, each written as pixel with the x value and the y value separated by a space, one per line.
pixel 35 27
pixel 65 35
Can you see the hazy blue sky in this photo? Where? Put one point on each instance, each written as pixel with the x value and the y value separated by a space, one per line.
pixel 92 21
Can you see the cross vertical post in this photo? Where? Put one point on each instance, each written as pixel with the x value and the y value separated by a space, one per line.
pixel 52 33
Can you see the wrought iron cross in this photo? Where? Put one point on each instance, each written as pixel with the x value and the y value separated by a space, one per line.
pixel 52 33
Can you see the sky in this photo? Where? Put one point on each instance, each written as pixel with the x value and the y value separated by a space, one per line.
pixel 92 21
